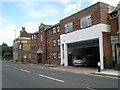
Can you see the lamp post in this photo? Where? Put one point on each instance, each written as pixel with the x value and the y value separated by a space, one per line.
pixel 15 34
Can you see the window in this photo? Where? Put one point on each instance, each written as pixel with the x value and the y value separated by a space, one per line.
pixel 58 28
pixel 85 22
pixel 58 42
pixel 32 37
pixel 54 30
pixel 48 43
pixel 68 27
pixel 33 56
pixel 59 55
pixel 54 55
pixel 49 54
pixel 54 43
pixel 41 38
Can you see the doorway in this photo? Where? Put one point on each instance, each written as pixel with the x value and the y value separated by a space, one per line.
pixel 39 57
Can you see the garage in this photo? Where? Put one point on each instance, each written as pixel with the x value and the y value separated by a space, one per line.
pixel 84 50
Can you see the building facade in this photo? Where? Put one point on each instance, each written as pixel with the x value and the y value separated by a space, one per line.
pixel 53 44
pixel 93 31
pixel 21 47
pixel 87 33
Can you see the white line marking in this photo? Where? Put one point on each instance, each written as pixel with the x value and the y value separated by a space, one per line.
pixel 40 67
pixel 51 78
pixel 14 67
pixel 25 70
pixel 89 88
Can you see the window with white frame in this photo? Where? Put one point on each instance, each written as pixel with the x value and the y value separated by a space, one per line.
pixel 58 28
pixel 68 27
pixel 54 30
pixel 41 38
pixel 85 21
pixel 54 55
pixel 32 37
pixel 59 55
pixel 54 43
pixel 58 42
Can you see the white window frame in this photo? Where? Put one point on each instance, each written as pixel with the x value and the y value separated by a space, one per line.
pixel 54 55
pixel 58 28
pixel 54 43
pixel 58 42
pixel 68 27
pixel 85 21
pixel 59 55
pixel 54 30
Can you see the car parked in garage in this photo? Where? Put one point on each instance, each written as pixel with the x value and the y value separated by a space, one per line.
pixel 86 61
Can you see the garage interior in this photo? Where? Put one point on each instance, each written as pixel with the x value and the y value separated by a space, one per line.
pixel 83 49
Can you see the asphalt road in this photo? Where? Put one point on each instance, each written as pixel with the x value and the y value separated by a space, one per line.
pixel 30 76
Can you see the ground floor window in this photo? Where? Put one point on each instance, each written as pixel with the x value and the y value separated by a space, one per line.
pixel 33 56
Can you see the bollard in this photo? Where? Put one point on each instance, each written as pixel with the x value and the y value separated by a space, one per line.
pixel 98 66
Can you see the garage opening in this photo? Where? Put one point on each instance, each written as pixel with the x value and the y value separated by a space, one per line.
pixel 86 51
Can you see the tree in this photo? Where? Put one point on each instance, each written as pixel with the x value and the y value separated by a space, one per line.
pixel 7 52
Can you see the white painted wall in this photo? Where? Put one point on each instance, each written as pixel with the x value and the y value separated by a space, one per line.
pixel 90 33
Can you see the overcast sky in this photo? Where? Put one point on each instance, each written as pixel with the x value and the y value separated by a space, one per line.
pixel 30 13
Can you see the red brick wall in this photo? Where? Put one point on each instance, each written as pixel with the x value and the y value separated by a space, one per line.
pixel 114 26
pixel 98 14
pixel 51 49
pixel 107 50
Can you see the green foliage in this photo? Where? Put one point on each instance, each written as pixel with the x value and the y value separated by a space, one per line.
pixel 7 52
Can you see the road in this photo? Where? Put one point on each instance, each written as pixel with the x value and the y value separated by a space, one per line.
pixel 30 76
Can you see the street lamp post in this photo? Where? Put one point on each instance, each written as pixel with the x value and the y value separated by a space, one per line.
pixel 15 34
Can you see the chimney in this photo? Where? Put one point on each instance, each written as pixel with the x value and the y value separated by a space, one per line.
pixel 23 28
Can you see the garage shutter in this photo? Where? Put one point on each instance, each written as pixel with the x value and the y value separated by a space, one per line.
pixel 84 44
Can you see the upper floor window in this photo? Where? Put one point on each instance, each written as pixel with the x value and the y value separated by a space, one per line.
pixel 54 55
pixel 54 30
pixel 54 43
pixel 32 37
pixel 68 27
pixel 58 28
pixel 58 42
pixel 59 55
pixel 41 37
pixel 48 43
pixel 85 21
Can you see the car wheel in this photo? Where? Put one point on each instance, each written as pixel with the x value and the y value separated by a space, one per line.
pixel 85 64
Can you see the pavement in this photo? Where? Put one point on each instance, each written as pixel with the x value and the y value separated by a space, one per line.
pixel 85 70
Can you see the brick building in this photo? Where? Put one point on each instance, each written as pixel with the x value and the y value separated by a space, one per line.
pixel 87 32
pixel 114 20
pixel 21 47
pixel 53 44
pixel 38 45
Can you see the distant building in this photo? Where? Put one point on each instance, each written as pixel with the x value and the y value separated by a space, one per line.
pixel 38 45
pixel 21 47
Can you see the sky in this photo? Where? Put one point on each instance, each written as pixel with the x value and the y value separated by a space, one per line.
pixel 15 14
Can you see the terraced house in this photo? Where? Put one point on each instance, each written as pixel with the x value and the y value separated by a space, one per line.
pixel 86 33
